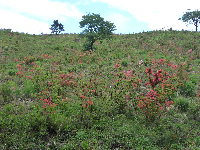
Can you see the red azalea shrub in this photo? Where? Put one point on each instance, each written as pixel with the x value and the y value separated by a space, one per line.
pixel 162 85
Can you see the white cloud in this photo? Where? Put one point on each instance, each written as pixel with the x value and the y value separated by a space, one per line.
pixel 156 13
pixel 120 21
pixel 24 14
pixel 43 8
pixel 19 23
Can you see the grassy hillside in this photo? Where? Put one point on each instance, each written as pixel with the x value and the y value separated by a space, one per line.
pixel 136 91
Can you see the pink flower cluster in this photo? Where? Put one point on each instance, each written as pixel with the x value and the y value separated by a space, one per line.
pixel 47 102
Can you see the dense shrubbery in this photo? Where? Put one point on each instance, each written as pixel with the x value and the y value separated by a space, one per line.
pixel 136 91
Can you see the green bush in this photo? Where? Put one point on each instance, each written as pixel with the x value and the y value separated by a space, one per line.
pixel 182 104
pixel 6 92
pixel 124 63
pixel 194 112
pixel 30 88
pixel 57 47
pixel 193 78
pixel 188 89
pixel 12 72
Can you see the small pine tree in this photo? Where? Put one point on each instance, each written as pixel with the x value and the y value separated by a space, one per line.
pixel 56 27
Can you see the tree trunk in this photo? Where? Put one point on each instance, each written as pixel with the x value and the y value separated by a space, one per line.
pixel 196 24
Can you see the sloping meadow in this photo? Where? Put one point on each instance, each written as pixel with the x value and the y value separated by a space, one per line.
pixel 135 91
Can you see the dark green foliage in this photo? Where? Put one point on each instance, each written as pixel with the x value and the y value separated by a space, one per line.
pixel 188 89
pixel 193 78
pixel 56 27
pixel 124 63
pixel 30 88
pixel 6 92
pixel 182 104
pixel 194 112
pixel 57 47
pixel 12 72
pixel 95 29
pixel 191 18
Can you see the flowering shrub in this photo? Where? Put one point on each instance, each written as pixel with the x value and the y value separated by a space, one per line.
pixel 162 85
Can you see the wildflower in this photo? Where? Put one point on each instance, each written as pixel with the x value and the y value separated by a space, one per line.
pixel 94 92
pixel 18 73
pixel 128 96
pixel 82 96
pixel 117 65
pixel 174 67
pixel 148 70
pixel 189 51
pixel 170 64
pixel 159 71
pixel 168 103
pixel 29 77
pixel 86 90
pixel 162 61
pixel 90 102
pixel 129 72
pixel 85 106
pixel 52 104
pixel 33 63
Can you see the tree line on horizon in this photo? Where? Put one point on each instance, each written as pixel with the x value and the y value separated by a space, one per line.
pixel 96 28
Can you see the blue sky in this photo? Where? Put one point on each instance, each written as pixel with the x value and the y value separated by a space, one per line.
pixel 36 16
